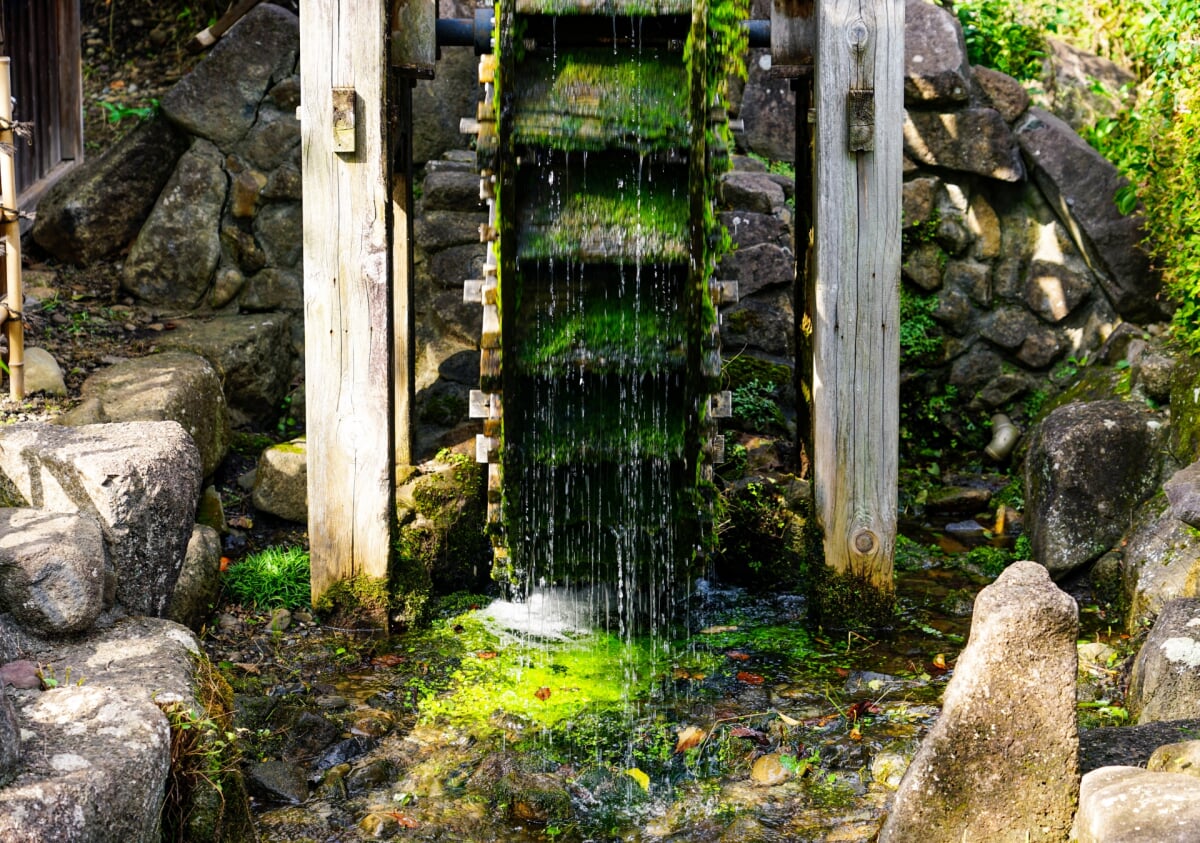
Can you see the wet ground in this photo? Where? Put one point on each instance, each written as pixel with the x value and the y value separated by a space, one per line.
pixel 735 725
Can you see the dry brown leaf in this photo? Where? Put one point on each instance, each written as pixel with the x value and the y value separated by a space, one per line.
pixel 688 737
pixel 749 678
pixel 542 693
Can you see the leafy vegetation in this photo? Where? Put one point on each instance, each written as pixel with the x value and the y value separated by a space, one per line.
pixel 756 406
pixel 1154 143
pixel 276 576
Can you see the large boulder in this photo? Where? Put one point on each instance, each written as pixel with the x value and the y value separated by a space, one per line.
pixel 219 99
pixel 139 480
pixel 1132 746
pixel 1001 762
pixel 97 208
pixel 199 584
pixel 935 56
pixel 281 481
pixel 1081 88
pixel 97 748
pixel 171 386
pixel 175 254
pixel 1090 465
pixel 973 140
pixel 253 354
pixel 1183 494
pixel 1160 560
pixel 1132 805
pixel 1165 683
pixel 52 567
pixel 1082 185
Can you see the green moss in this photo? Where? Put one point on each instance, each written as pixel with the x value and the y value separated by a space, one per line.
pixel 741 370
pixel 845 601
pixel 1185 411
pixel 595 99
pixel 360 602
pixel 760 542
pixel 612 335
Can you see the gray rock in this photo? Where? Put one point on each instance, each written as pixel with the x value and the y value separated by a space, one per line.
pixel 1185 410
pixel 10 739
pixel 175 255
pixel 452 190
pixel 921 198
pixel 756 192
pixel 763 323
pixel 1160 561
pixel 1132 805
pixel 1165 683
pixel 976 369
pixel 1130 745
pixel 22 674
pixel 448 269
pixel 1042 346
pixel 750 229
pixel 42 373
pixel 436 230
pixel 277 781
pixel 139 480
pixel 999 763
pixel 1183 493
pixel 974 140
pixel 279 231
pixel 252 353
pixel 199 584
pixel 1081 88
pixel 756 267
pixel 1182 757
pixel 440 103
pixel 1005 94
pixel 274 289
pixel 1053 290
pixel 935 56
pixel 52 567
pixel 1089 466
pixel 97 208
pixel 97 746
pixel 1151 372
pixel 769 111
pixel 1081 184
pixel 281 481
pixel 170 386
pixel 923 266
pixel 274 139
pixel 219 100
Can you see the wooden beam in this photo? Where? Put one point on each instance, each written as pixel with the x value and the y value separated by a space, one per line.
pixel 347 277
pixel 856 264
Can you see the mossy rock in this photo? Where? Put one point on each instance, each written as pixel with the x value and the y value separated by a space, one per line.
pixel 767 541
pixel 741 370
pixel 1185 411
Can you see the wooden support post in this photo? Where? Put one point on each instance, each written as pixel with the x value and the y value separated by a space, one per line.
pixel 10 242
pixel 856 264
pixel 348 265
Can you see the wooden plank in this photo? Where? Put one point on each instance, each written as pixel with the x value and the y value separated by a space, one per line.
pixel 347 266
pixel 70 80
pixel 403 309
pixel 856 350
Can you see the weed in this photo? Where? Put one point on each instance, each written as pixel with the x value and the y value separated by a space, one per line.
pixel 756 406
pixel 272 577
pixel 117 112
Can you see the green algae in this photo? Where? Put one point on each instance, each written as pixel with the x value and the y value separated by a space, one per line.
pixel 604 7
pixel 606 337
pixel 593 100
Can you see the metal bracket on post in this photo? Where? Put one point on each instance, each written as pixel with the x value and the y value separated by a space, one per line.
pixel 414 37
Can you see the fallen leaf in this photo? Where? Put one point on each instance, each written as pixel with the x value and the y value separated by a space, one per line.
pixel 717 630
pixel 788 721
pixel 639 777
pixel 403 820
pixel 841 671
pixel 689 736
pixel 753 734
pixel 855 734
pixel 488 654
pixel 860 708
pixel 684 673
pixel 542 693
pixel 939 662
pixel 749 678
pixel 225 564
pixel 246 667
pixel 738 655
pixel 241 522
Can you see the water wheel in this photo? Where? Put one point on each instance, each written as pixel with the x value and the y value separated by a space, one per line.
pixel 599 140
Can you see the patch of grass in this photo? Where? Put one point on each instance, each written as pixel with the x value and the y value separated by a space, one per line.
pixel 270 578
pixel 756 406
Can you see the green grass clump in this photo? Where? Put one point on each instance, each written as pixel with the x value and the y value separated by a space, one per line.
pixel 270 578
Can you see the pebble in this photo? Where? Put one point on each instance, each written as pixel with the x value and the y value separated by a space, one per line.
pixel 22 674
pixel 768 770
pixel 301 616
pixel 281 619
pixel 332 702
pixel 887 768
pixel 228 623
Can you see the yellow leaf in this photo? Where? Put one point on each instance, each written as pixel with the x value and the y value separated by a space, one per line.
pixel 639 777
pixel 717 630
pixel 689 736
pixel 788 721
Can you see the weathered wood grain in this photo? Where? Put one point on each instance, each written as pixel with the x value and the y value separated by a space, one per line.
pixel 860 47
pixel 348 309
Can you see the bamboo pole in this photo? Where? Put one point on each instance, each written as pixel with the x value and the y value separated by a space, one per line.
pixel 13 294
